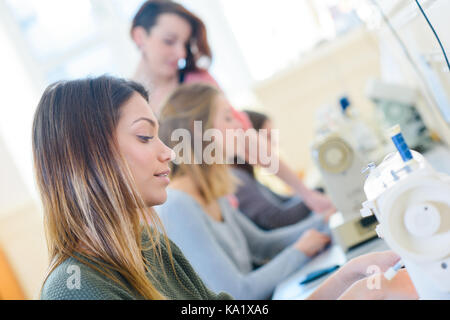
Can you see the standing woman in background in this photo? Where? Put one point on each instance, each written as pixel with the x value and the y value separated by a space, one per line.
pixel 165 33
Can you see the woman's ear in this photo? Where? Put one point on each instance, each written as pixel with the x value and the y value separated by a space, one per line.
pixel 139 35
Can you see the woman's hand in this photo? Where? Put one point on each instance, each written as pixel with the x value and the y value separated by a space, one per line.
pixel 357 271
pixel 377 287
pixel 319 203
pixel 312 242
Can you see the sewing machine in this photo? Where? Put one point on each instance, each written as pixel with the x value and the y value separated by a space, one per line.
pixel 395 104
pixel 340 167
pixel 411 201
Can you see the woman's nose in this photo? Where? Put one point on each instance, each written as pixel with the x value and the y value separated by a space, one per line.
pixel 166 154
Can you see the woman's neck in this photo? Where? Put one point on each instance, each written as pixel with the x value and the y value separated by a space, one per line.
pixel 151 79
pixel 186 184
pixel 160 87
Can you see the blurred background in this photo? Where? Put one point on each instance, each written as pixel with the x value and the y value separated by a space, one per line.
pixel 289 59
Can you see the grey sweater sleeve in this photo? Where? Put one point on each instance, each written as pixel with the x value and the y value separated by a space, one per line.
pixel 265 244
pixel 186 225
pixel 263 207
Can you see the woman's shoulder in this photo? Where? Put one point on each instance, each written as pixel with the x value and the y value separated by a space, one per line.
pixel 74 280
pixel 200 76
pixel 179 280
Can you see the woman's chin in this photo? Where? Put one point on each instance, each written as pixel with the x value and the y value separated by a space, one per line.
pixel 157 200
pixel 168 71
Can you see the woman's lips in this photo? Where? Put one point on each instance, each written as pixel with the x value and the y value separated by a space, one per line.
pixel 163 175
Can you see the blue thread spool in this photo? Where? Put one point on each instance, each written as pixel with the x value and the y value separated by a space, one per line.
pixel 400 143
pixel 344 103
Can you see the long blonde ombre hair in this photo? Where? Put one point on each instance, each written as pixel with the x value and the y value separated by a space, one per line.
pixel 189 103
pixel 91 206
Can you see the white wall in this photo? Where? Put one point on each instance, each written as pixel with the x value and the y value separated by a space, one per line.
pixel 19 99
pixel 21 228
pixel 13 191
pixel 229 66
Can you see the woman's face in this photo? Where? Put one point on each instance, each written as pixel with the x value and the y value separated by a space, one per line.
pixel 165 44
pixel 224 119
pixel 147 157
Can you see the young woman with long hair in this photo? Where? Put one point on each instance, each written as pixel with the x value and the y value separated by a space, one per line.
pixel 100 168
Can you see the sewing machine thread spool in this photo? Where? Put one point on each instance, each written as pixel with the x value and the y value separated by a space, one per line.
pixel 400 143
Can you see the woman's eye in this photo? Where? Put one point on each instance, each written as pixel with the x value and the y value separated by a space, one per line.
pixel 144 138
pixel 169 42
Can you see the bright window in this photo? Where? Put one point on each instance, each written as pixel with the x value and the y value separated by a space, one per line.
pixel 274 34
pixel 271 34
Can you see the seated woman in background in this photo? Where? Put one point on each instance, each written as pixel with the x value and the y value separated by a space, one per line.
pixel 264 207
pixel 221 243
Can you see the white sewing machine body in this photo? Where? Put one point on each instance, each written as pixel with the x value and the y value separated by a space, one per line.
pixel 396 104
pixel 340 167
pixel 411 201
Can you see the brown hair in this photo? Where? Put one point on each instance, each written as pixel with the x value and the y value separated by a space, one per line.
pixel 257 120
pixel 198 46
pixel 91 206
pixel 189 103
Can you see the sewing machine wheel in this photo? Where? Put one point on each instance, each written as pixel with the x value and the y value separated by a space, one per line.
pixel 335 155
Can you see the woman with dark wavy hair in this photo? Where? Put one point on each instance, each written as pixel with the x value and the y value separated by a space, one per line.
pixel 167 34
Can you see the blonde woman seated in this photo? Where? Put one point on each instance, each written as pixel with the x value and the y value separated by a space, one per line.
pixel 221 243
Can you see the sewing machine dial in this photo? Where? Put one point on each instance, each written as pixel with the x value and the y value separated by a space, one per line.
pixel 335 155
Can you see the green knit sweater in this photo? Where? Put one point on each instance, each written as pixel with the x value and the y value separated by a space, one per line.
pixel 74 280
